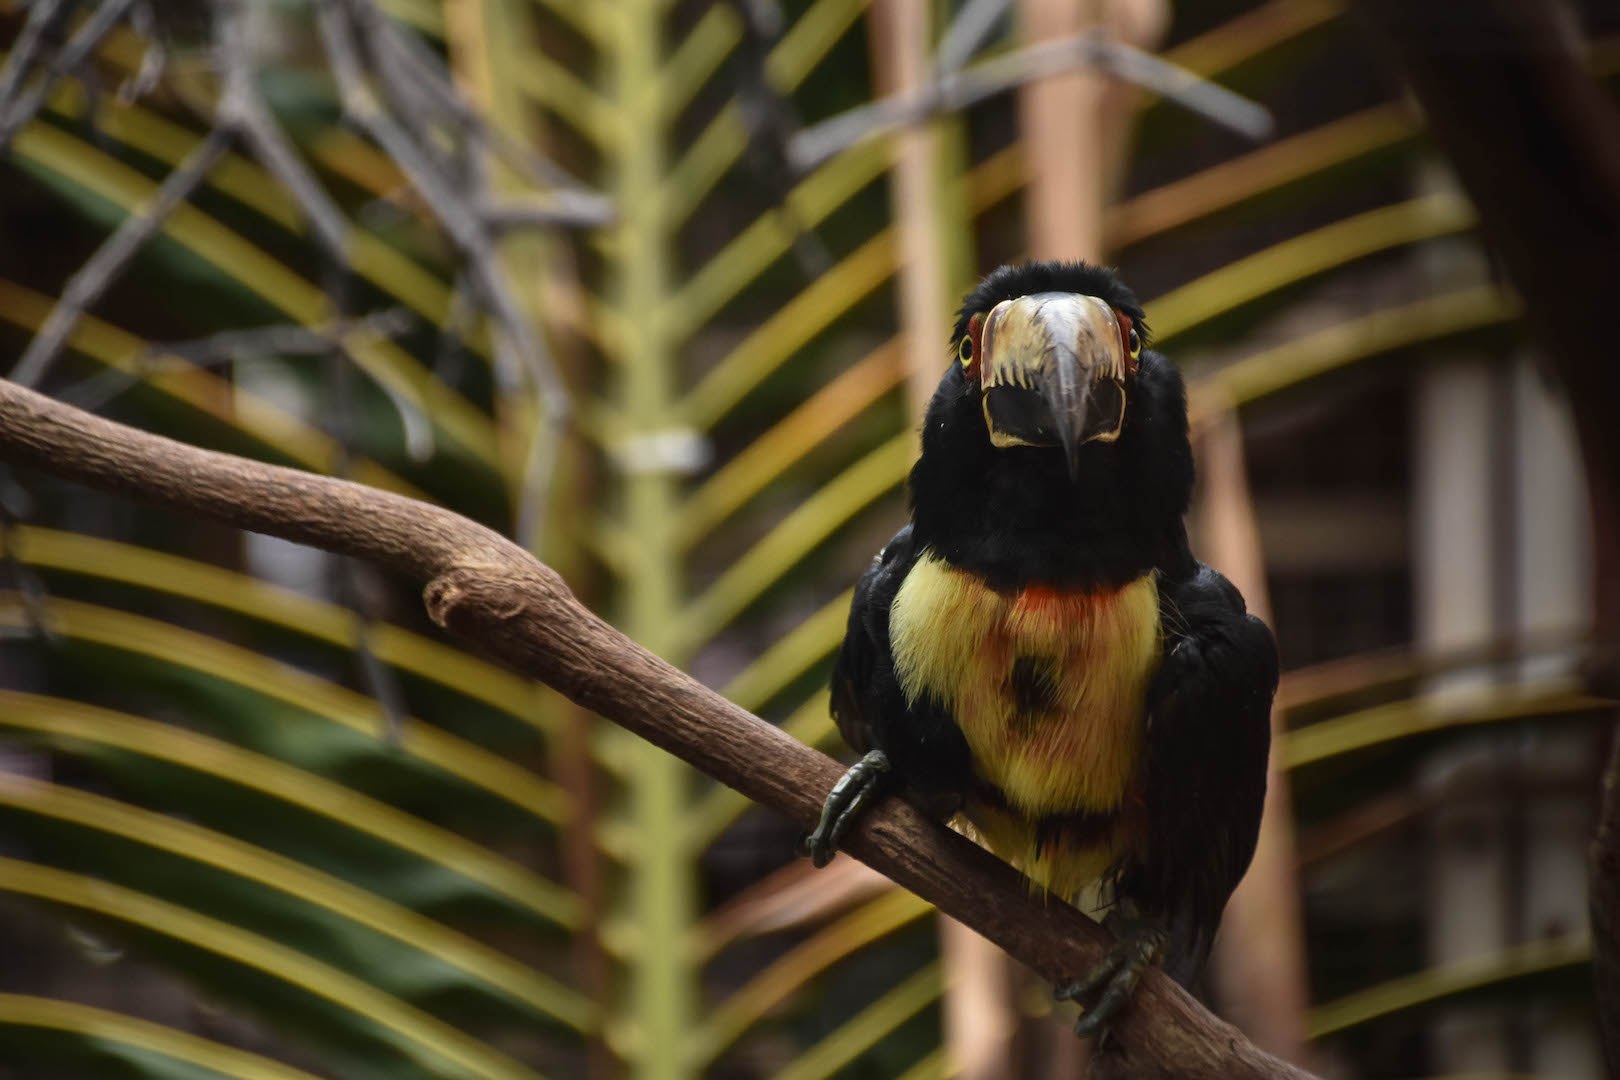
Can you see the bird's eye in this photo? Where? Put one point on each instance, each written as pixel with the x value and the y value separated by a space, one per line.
pixel 1131 339
pixel 969 348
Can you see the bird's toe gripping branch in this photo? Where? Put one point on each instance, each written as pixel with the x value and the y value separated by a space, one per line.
pixel 1107 988
pixel 854 790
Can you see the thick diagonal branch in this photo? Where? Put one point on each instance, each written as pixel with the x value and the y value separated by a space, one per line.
pixel 507 606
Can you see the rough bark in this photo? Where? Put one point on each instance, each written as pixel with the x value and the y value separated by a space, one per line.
pixel 505 605
pixel 1535 141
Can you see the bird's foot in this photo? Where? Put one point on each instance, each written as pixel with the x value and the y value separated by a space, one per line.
pixel 844 804
pixel 1139 944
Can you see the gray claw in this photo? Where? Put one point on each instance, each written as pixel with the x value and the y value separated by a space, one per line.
pixel 1107 988
pixel 848 798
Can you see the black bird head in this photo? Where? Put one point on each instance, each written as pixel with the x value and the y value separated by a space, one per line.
pixel 1055 449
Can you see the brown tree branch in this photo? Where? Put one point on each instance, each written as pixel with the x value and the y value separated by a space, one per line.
pixel 507 606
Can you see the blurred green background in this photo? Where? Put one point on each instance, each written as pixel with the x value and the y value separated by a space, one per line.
pixel 258 820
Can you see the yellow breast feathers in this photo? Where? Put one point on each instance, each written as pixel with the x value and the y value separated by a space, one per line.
pixel 1047 686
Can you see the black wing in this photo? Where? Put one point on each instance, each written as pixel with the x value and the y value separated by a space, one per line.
pixel 1209 731
pixel 929 755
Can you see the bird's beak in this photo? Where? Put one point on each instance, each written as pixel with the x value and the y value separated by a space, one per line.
pixel 1053 370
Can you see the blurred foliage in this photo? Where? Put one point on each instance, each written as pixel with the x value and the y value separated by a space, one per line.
pixel 491 883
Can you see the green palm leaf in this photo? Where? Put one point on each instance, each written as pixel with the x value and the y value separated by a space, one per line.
pixel 149 1050
pixel 257 827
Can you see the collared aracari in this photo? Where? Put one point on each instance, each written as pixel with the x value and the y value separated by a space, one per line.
pixel 1038 656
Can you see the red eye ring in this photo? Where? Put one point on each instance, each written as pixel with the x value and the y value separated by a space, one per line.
pixel 970 348
pixel 1130 341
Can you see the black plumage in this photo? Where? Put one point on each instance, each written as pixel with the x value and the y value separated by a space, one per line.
pixel 1021 518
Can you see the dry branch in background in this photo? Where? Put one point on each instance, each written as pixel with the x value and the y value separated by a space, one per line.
pixel 392 88
pixel 508 606
pixel 953 90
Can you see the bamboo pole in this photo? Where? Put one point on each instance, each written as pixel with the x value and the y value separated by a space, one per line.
pixel 1076 127
pixel 900 31
pixel 1059 124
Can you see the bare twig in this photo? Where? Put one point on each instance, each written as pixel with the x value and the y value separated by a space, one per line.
pixel 45 18
pixel 356 583
pixel 772 123
pixel 409 67
pixel 966 34
pixel 20 99
pixel 415 426
pixel 536 483
pixel 154 61
pixel 421 93
pixel 556 208
pixel 91 281
pixel 341 342
pixel 235 346
pixel 450 352
pixel 380 681
pixel 21 103
pixel 357 588
pixel 955 90
pixel 284 339
pixel 507 606
pixel 1187 89
pixel 243 111
pixel 523 358
pixel 240 112
pixel 399 93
